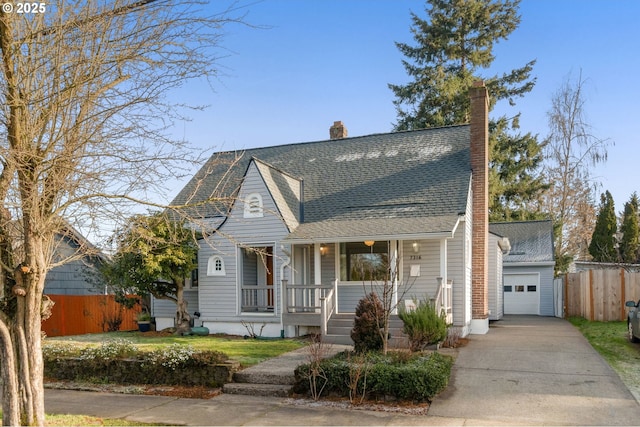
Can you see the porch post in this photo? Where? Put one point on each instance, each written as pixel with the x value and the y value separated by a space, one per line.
pixel 317 271
pixel 443 271
pixel 394 274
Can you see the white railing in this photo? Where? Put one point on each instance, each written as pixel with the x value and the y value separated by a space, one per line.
pixel 305 298
pixel 257 298
pixel 444 299
pixel 328 306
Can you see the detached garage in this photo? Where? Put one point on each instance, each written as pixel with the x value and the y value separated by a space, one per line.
pixel 527 271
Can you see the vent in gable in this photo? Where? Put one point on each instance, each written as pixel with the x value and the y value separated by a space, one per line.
pixel 253 206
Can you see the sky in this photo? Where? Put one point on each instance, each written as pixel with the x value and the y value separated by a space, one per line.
pixel 313 62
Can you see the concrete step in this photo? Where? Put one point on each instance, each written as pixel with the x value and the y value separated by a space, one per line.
pixel 337 339
pixel 249 377
pixel 269 390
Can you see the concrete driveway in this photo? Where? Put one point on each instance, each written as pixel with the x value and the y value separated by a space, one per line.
pixel 534 370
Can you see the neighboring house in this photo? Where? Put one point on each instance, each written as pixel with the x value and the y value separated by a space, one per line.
pixel 78 259
pixel 309 226
pixel 528 268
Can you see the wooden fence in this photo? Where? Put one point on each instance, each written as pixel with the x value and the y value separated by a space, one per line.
pixel 85 314
pixel 600 294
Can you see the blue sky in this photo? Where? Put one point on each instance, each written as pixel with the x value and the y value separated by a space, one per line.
pixel 326 60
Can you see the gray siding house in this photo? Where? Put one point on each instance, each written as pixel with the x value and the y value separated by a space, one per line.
pixel 528 267
pixel 75 261
pixel 296 234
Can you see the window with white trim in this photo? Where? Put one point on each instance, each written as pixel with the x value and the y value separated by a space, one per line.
pixel 253 206
pixel 215 266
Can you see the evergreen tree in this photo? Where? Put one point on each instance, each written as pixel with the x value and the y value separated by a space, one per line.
pixel 603 242
pixel 511 186
pixel 630 243
pixel 452 46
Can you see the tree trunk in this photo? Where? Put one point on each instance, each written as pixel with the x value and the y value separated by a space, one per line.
pixel 26 334
pixel 183 319
pixel 10 401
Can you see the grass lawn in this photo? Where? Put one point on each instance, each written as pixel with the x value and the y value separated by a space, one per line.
pixel 246 351
pixel 84 420
pixel 610 340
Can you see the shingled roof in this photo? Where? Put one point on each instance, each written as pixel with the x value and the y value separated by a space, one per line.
pixel 531 241
pixel 411 182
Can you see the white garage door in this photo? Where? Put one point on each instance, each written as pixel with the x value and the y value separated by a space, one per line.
pixel 521 293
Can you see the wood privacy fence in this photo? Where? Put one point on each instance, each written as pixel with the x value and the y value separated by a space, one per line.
pixel 85 314
pixel 600 294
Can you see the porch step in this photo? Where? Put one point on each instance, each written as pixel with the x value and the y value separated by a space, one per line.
pixel 340 325
pixel 253 389
pixel 337 339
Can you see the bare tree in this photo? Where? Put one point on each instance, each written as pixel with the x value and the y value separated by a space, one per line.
pixel 85 136
pixel 570 153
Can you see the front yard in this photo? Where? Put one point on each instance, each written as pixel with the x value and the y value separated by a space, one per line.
pixel 246 351
pixel 610 340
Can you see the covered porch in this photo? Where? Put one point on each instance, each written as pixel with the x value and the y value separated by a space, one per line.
pixel 328 279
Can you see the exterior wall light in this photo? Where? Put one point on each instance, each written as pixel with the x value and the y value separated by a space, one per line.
pixel 323 249
pixel 416 247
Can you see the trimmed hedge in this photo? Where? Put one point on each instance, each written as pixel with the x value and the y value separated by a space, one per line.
pixel 136 371
pixel 119 361
pixel 417 378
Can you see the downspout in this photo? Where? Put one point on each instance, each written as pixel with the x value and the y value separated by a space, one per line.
pixel 285 264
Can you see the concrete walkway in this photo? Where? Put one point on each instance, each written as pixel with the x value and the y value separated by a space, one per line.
pixel 525 371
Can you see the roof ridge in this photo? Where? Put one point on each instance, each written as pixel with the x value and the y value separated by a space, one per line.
pixel 290 144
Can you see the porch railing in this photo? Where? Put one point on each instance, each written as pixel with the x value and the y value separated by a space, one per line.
pixel 443 299
pixel 257 298
pixel 328 306
pixel 305 298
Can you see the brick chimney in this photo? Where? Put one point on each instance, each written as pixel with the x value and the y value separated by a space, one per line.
pixel 338 130
pixel 480 206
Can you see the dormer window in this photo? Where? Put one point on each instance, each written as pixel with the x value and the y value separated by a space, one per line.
pixel 253 206
pixel 215 266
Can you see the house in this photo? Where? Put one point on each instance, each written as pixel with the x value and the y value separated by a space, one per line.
pixel 75 262
pixel 299 232
pixel 528 268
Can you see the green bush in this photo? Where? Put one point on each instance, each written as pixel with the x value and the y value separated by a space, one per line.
pixel 120 362
pixel 424 325
pixel 366 327
pixel 418 378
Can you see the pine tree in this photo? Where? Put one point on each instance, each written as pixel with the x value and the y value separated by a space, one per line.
pixel 511 187
pixel 452 46
pixel 603 242
pixel 630 243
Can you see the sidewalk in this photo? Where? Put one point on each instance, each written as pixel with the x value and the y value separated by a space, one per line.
pixel 526 371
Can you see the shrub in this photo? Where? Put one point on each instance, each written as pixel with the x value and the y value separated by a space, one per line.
pixel 57 350
pixel 366 328
pixel 172 357
pixel 418 378
pixel 109 350
pixel 424 326
pixel 119 361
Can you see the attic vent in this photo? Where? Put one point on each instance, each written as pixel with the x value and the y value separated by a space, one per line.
pixel 338 130
pixel 253 206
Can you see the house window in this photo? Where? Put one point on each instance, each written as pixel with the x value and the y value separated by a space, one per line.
pixel 507 288
pixel 215 266
pixel 194 278
pixel 359 262
pixel 253 206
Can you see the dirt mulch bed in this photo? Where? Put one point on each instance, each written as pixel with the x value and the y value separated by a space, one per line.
pixel 199 392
